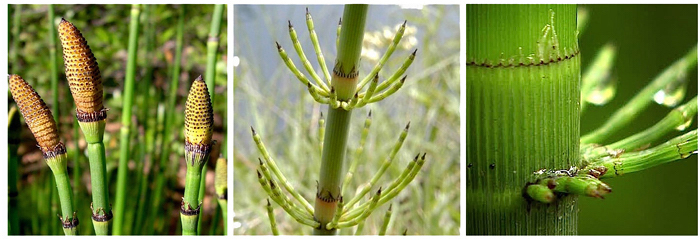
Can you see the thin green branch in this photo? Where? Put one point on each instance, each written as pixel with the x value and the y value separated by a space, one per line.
pixel 677 148
pixel 358 153
pixel 627 113
pixel 385 224
pixel 273 166
pixel 271 218
pixel 317 47
pixel 385 57
pixel 287 61
pixel 678 119
pixel 302 57
pixel 368 186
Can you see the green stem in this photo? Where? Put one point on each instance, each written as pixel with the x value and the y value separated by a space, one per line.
pixel 65 193
pixel 338 121
pixel 101 209
pixel 166 135
pixel 125 130
pixel 191 199
pixel 271 217
pixel 16 22
pixel 76 163
pixel 385 224
pixel 200 197
pixel 212 46
pixel 522 114
pixel 172 91
pixel 53 66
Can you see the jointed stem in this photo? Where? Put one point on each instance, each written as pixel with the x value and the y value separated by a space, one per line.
pixel 358 153
pixel 271 218
pixel 317 47
pixel 677 148
pixel 338 122
pixel 101 209
pixel 273 166
pixel 677 119
pixel 304 60
pixel 125 131
pixel 385 224
pixel 382 169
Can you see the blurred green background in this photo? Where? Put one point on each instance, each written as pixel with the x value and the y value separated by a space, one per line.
pixel 106 29
pixel 269 98
pixel 662 200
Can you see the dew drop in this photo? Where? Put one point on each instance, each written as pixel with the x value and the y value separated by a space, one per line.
pixel 685 124
pixel 672 94
pixel 603 92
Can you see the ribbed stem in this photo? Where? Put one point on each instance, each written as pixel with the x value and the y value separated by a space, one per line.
pixel 191 199
pixel 344 82
pixel 212 46
pixel 65 195
pixel 522 115
pixel 52 65
pixel 125 131
pixel 101 209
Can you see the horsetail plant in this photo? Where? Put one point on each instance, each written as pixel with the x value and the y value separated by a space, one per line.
pixel 125 130
pixel 199 121
pixel 526 160
pixel 343 91
pixel 85 83
pixel 43 127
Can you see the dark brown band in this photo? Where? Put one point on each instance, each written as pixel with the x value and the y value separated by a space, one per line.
pixel 522 64
pixel 59 149
pixel 92 116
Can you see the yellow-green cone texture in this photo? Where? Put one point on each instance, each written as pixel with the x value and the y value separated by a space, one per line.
pixel 36 114
pixel 82 73
pixel 199 114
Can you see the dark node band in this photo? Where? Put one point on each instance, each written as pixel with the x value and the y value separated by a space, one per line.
pixel 13 194
pixel 92 116
pixel 59 149
pixel 338 71
pixel 326 196
pixel 521 64
pixel 199 152
pixel 70 222
pixel 188 210
pixel 105 217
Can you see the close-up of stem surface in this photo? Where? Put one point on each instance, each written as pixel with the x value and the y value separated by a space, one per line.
pixel 535 73
pixel 535 166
